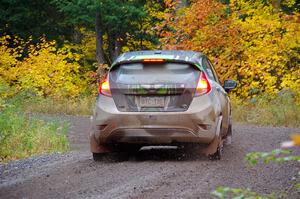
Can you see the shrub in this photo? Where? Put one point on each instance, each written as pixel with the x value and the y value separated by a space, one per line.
pixel 44 69
pixel 280 110
pixel 22 135
pixel 76 106
pixel 250 41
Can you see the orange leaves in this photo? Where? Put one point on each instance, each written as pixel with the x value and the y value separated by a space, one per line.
pixel 254 44
pixel 184 28
pixel 171 4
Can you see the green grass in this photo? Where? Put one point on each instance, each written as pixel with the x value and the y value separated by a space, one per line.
pixel 80 106
pixel 23 136
pixel 282 110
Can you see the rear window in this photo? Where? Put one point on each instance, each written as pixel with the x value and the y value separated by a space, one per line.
pixel 154 87
pixel 153 73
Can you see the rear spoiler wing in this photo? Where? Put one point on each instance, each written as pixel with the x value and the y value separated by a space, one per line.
pixel 156 60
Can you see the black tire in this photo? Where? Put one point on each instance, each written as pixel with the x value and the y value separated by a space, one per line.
pixel 228 138
pixel 229 132
pixel 133 148
pixel 98 156
pixel 128 148
pixel 217 155
pixel 111 157
pixel 119 153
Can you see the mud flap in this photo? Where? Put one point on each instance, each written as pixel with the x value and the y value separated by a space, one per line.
pixel 98 148
pixel 217 142
pixel 95 147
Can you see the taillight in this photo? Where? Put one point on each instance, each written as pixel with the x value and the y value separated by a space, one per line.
pixel 203 85
pixel 104 88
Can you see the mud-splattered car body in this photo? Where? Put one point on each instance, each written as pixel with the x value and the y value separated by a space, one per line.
pixel 161 98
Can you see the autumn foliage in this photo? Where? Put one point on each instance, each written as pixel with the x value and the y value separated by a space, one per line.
pixel 43 69
pixel 253 42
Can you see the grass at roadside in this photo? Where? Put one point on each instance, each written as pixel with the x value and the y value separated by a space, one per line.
pixel 80 106
pixel 282 110
pixel 22 136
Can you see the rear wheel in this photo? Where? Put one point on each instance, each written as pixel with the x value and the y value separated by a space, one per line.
pixel 98 156
pixel 228 139
pixel 217 155
pixel 111 157
pixel 119 152
pixel 128 148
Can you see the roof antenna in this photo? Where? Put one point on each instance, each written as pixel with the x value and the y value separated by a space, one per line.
pixel 157 52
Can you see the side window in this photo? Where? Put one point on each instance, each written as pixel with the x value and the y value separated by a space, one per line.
pixel 208 69
pixel 214 71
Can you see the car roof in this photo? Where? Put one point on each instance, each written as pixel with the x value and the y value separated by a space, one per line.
pixel 176 55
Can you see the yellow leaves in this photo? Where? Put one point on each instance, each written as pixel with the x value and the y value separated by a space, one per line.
pixel 8 59
pixel 288 3
pixel 295 141
pixel 46 70
pixel 255 44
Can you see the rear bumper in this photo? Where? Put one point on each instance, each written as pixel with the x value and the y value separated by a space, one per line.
pixel 197 124
pixel 154 136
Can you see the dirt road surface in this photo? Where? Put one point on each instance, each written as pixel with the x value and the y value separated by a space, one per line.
pixel 152 173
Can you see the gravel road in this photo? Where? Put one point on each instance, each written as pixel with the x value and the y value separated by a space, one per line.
pixel 152 173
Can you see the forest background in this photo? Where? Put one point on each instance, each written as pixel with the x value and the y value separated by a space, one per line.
pixel 54 53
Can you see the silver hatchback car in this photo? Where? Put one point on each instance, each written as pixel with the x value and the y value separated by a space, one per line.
pixel 161 98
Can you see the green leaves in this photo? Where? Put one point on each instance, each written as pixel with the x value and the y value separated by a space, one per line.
pixel 32 18
pixel 277 155
pixel 22 135
pixel 236 193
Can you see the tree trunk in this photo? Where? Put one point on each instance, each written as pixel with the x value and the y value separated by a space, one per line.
pixel 118 46
pixel 183 3
pixel 99 40
pixel 276 4
pixel 114 47
pixel 111 47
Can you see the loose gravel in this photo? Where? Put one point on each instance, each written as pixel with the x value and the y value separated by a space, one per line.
pixel 151 173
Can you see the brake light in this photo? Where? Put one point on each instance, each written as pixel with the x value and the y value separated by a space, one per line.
pixel 105 88
pixel 153 60
pixel 203 85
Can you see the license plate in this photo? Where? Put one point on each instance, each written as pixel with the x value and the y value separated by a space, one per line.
pixel 152 101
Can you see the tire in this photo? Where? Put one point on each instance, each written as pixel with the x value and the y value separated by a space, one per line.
pixel 111 157
pixel 217 155
pixel 98 156
pixel 118 153
pixel 133 148
pixel 228 138
pixel 129 148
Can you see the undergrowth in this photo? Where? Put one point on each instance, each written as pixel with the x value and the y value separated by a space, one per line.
pixel 76 106
pixel 22 135
pixel 282 110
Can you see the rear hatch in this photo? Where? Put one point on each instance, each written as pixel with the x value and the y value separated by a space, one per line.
pixel 153 87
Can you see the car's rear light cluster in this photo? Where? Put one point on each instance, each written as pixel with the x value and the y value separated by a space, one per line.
pixel 104 88
pixel 203 85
